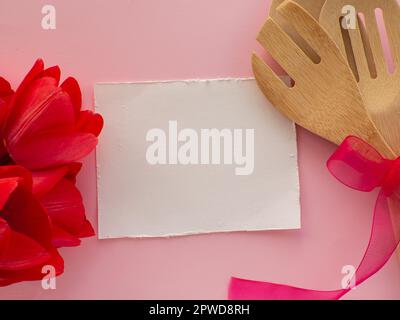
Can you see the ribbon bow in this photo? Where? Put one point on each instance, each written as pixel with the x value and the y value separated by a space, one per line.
pixel 359 166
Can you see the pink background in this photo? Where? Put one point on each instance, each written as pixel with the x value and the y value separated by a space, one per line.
pixel 130 40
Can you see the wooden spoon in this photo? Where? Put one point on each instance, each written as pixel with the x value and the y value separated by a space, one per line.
pixel 325 98
pixel 363 48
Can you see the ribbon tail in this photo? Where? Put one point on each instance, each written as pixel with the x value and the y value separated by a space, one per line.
pixel 241 289
pixel 382 243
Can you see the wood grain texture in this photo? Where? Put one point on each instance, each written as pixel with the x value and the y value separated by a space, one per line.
pixel 325 98
pixel 363 47
pixel 311 6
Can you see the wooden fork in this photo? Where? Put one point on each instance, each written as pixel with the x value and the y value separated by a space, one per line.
pixel 325 98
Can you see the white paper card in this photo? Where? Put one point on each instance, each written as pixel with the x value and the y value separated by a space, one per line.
pixel 190 157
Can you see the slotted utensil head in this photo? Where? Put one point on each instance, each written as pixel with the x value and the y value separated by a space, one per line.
pixel 325 98
pixel 362 38
pixel 311 6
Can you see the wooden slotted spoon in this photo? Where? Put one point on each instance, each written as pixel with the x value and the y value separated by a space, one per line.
pixel 364 50
pixel 313 7
pixel 331 109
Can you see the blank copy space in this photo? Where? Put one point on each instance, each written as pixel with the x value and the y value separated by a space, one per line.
pixel 137 199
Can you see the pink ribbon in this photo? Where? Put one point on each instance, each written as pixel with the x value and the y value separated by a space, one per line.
pixel 359 166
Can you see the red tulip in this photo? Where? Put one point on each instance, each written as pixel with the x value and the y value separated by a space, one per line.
pixel 45 127
pixel 25 230
pixel 56 190
pixel 44 132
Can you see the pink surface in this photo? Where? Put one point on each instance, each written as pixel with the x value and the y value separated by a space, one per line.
pixel 130 40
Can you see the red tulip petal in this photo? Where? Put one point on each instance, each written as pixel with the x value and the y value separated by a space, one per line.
pixel 62 238
pixel 17 251
pixel 56 117
pixel 6 95
pixel 3 110
pixel 90 122
pixel 38 92
pixel 7 187
pixel 5 88
pixel 25 177
pixel 19 94
pixel 30 103
pixel 24 214
pixel 86 230
pixel 53 72
pixel 38 116
pixel 3 114
pixel 65 208
pixel 71 86
pixel 73 170
pixel 53 150
pixel 3 153
pixel 35 273
pixel 56 261
pixel 32 74
pixel 44 181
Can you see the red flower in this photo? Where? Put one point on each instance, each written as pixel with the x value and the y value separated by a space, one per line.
pixel 45 126
pixel 56 190
pixel 43 133
pixel 25 230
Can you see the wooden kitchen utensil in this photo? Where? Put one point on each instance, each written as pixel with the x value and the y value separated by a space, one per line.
pixel 311 6
pixel 363 48
pixel 325 98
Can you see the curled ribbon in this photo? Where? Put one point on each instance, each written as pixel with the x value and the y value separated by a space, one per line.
pixel 359 166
